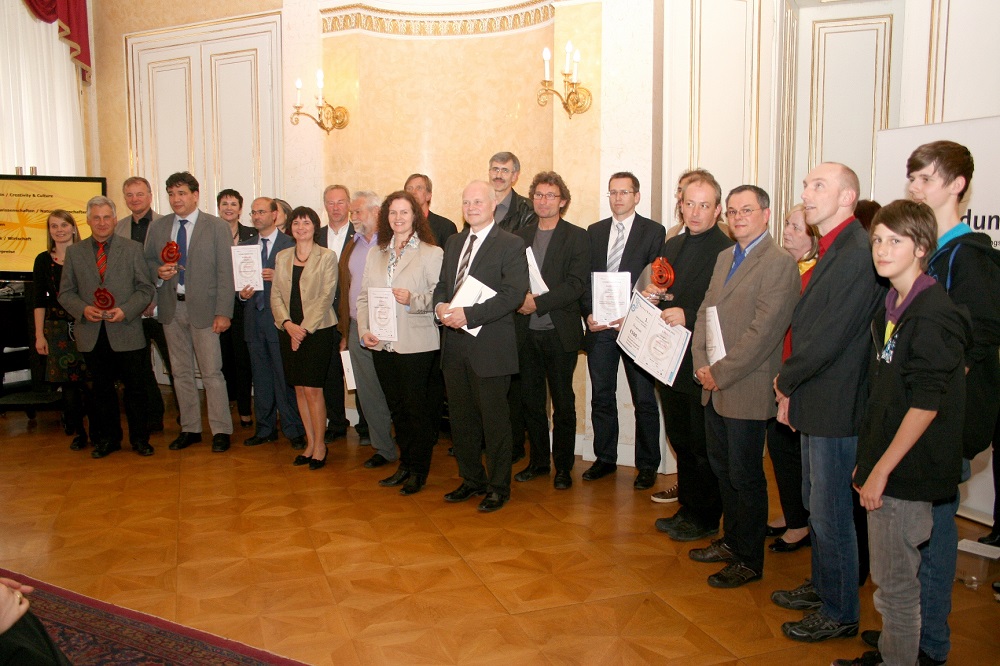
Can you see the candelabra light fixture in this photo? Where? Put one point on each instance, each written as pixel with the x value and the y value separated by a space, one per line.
pixel 574 97
pixel 328 117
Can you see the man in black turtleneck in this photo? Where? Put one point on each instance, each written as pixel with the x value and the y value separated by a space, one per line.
pixel 692 256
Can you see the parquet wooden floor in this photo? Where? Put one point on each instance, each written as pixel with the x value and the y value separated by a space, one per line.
pixel 326 567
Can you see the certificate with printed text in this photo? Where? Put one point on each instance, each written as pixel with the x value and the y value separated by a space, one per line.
pixel 655 346
pixel 247 267
pixel 610 293
pixel 382 314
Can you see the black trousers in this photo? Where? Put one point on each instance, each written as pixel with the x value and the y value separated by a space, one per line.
pixel 697 487
pixel 544 361
pixel 236 364
pixel 785 449
pixel 333 389
pixel 405 381
pixel 153 330
pixel 106 365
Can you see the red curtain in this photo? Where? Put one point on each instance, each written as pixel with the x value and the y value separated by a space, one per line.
pixel 71 16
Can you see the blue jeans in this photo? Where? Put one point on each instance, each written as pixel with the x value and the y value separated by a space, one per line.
pixel 827 465
pixel 895 532
pixel 938 558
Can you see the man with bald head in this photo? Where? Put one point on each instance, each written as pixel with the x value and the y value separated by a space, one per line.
pixel 822 392
pixel 477 368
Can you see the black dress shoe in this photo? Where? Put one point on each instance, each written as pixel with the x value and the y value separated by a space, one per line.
pixel 492 502
pixel 102 449
pixel 301 460
pixel 184 440
pixel 991 539
pixel 220 443
pixel 246 424
pixel 563 480
pixel 733 575
pixel 315 464
pixel 376 460
pixel 333 434
pixel 142 448
pixel 259 439
pixel 462 493
pixel 402 474
pixel 529 473
pixel 79 442
pixel 414 484
pixel 298 443
pixel 782 546
pixel 599 470
pixel 776 531
pixel 645 479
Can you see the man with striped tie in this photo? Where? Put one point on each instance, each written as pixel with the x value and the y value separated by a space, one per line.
pixel 626 241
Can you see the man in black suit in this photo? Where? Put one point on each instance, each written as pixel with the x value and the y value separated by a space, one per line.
pixel 420 186
pixel 550 330
pixel 337 202
pixel 477 368
pixel 626 241
pixel 513 211
pixel 272 395
pixel 139 199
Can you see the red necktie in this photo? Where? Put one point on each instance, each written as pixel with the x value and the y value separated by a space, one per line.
pixel 102 259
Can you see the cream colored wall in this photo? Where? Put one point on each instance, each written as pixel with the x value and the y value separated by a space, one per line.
pixel 108 151
pixel 436 106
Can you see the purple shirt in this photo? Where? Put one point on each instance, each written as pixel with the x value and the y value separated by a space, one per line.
pixel 356 264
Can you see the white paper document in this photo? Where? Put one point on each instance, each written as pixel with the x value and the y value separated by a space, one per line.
pixel 538 285
pixel 715 346
pixel 472 292
pixel 655 346
pixel 382 314
pixel 610 293
pixel 345 357
pixel 247 267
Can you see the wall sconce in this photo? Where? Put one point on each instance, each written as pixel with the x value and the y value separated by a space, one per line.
pixel 327 117
pixel 575 98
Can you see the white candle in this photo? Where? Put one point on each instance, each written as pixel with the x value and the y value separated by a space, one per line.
pixel 298 92
pixel 547 59
pixel 319 87
pixel 569 53
pixel 576 66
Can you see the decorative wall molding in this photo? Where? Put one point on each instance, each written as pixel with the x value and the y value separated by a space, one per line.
pixel 436 24
pixel 785 182
pixel 879 30
pixel 937 61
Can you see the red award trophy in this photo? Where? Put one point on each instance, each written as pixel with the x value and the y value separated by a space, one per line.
pixel 104 301
pixel 171 253
pixel 662 273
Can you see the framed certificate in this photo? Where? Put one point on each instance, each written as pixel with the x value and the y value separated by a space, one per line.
pixel 247 267
pixel 610 293
pixel 382 314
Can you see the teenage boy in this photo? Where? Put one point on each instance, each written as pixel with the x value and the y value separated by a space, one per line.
pixel 910 447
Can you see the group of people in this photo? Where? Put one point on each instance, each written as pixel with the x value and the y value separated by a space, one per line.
pixel 864 357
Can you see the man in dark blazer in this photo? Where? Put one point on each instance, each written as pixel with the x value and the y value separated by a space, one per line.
pixel 110 334
pixel 753 291
pixel 139 200
pixel 638 240
pixel 477 368
pixel 693 256
pixel 272 395
pixel 420 186
pixel 550 329
pixel 195 305
pixel 334 236
pixel 822 390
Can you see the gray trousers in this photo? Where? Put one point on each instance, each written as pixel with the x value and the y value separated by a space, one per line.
pixel 895 532
pixel 372 397
pixel 186 344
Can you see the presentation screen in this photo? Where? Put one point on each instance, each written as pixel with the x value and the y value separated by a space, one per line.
pixel 25 204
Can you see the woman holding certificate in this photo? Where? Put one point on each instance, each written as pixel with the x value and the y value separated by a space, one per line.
pixel 302 290
pixel 396 322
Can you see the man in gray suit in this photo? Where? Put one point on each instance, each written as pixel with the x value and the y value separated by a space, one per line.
pixel 754 289
pixel 195 304
pixel 139 199
pixel 105 287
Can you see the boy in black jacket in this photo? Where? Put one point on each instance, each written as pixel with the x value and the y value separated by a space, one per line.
pixel 910 445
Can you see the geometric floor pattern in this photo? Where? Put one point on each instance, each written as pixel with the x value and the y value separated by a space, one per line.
pixel 328 568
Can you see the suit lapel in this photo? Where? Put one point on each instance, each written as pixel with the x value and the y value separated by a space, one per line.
pixel 484 248
pixel 603 235
pixel 636 239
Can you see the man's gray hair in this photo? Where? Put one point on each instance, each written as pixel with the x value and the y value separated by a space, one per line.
pixel 504 157
pixel 101 200
pixel 371 199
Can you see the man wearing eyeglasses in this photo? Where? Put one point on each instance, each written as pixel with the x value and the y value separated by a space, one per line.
pixel 692 255
pixel 752 294
pixel 626 241
pixel 513 211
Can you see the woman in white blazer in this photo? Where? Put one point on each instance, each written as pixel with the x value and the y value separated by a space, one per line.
pixel 406 261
